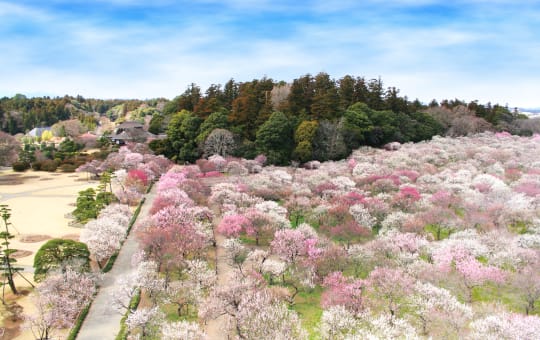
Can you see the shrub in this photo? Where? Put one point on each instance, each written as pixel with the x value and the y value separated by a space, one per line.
pixel 56 253
pixel 20 166
pixel 68 167
pixel 49 165
pixel 36 166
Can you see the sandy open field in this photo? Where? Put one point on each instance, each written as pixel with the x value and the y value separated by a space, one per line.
pixel 39 202
pixel 38 207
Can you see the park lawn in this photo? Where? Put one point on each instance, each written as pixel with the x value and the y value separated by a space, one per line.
pixel 308 306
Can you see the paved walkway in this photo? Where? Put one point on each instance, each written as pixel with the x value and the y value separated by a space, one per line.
pixel 103 321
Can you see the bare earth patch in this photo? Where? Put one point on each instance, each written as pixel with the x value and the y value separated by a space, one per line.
pixel 21 253
pixel 45 179
pixel 12 315
pixel 32 238
pixel 73 237
pixel 12 179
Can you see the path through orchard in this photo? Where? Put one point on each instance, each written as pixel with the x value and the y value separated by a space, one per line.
pixel 103 320
pixel 215 329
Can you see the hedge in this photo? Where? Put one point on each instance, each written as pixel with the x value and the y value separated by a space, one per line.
pixel 133 304
pixel 79 322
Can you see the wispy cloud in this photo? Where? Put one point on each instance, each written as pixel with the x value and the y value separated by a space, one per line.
pixel 484 50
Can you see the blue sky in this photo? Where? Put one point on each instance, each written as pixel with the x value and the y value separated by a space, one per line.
pixel 487 50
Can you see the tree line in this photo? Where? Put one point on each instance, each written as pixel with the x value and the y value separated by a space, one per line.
pixel 20 114
pixel 312 117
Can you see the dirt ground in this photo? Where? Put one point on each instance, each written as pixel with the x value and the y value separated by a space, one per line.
pixel 39 202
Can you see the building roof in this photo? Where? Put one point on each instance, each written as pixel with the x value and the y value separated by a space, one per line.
pixel 129 125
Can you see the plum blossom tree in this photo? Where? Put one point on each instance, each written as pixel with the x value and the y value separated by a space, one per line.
pixel 436 308
pixel 125 288
pixel 59 300
pixel 182 330
pixel 171 244
pixel 469 270
pixel 527 282
pixel 362 216
pixel 299 249
pixel 343 291
pixel 261 316
pixel 145 321
pixel 337 323
pixel 236 253
pixel 103 238
pixel 506 325
pixel 389 286
pixel 233 225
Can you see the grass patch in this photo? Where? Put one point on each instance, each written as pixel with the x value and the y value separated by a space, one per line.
pixel 171 313
pixel 519 227
pixel 296 221
pixel 308 306
pixel 439 232
pixel 264 240
pixel 505 294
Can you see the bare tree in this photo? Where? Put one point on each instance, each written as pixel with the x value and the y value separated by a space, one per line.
pixel 9 149
pixel 219 142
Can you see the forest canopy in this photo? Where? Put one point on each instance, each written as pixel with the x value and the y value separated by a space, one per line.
pixel 312 117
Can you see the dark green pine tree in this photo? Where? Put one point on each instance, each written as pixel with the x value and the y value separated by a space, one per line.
pixel 8 269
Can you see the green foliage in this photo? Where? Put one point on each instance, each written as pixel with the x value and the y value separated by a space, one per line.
pixel 274 139
pixel 304 135
pixel 181 133
pixel 519 227
pixel 86 206
pixel 505 294
pixel 56 253
pixel 69 146
pixel 20 166
pixel 308 306
pixel 216 120
pixel 156 124
pixel 438 231
pixel 162 147
pixel 27 153
pixel 356 125
pixel 7 261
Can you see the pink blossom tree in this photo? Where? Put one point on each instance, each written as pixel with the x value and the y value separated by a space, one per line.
pixel 389 286
pixel 234 225
pixel 343 291
pixel 469 270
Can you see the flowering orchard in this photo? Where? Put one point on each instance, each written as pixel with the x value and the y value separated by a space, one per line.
pixel 435 239
pixel 439 239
